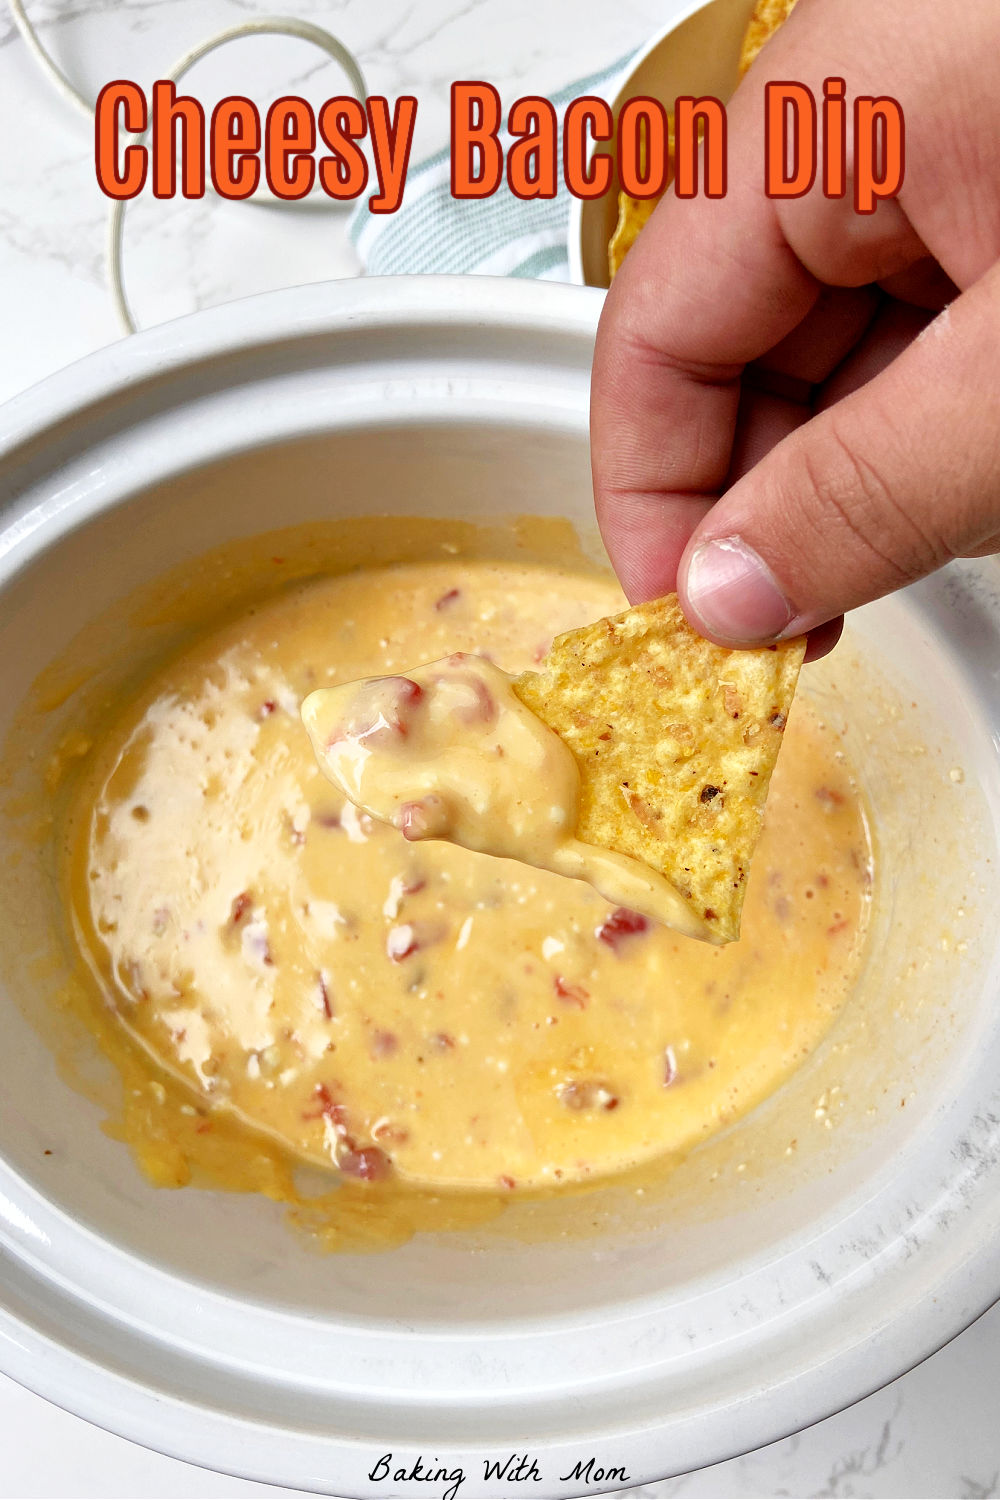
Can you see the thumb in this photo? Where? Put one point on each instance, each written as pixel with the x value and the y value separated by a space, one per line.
pixel 870 494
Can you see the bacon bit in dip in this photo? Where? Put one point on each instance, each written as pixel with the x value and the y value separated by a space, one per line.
pixel 366 1163
pixel 427 819
pixel 401 942
pixel 587 1094
pixel 381 710
pixel 573 994
pixel 480 706
pixel 324 996
pixel 383 1044
pixel 448 598
pixel 621 924
pixel 401 886
pixel 241 905
pixel 326 1107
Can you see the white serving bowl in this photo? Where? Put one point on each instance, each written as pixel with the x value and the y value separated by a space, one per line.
pixel 696 52
pixel 769 1287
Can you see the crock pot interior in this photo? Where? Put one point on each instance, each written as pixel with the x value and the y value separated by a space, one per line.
pixel 906 687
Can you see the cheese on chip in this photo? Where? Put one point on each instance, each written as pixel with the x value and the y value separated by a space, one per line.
pixel 675 740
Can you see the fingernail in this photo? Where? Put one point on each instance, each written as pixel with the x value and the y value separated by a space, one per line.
pixel 733 594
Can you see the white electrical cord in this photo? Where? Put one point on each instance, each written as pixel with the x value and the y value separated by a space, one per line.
pixel 266 26
pixel 48 66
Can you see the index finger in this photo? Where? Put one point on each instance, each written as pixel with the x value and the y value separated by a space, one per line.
pixel 709 285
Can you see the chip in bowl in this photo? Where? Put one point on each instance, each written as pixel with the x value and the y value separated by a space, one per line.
pixel 634 213
pixel 767 16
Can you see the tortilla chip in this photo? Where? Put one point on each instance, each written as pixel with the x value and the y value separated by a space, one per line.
pixel 767 16
pixel 633 213
pixel 675 740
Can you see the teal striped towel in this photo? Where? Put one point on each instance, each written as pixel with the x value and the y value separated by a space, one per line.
pixel 498 236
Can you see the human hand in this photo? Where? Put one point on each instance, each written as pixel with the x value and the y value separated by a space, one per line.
pixel 782 429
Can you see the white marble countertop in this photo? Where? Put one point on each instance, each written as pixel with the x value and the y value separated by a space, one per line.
pixel 935 1432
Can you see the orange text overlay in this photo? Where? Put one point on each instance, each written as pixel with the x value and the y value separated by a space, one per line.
pixel 843 148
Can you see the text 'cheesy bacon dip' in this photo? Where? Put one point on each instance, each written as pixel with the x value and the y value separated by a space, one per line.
pixel 409 1010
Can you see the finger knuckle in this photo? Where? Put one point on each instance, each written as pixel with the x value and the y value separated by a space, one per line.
pixel 859 504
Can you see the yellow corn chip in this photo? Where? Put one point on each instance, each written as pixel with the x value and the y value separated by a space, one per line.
pixel 768 15
pixel 675 740
pixel 633 213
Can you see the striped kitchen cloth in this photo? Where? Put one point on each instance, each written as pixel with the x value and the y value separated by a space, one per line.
pixel 499 236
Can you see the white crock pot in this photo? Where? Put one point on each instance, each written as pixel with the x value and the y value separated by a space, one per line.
pixel 769 1286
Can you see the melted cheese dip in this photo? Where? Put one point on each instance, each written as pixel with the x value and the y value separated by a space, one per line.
pixel 415 1009
pixel 450 752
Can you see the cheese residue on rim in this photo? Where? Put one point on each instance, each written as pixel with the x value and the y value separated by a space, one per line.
pixel 450 752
